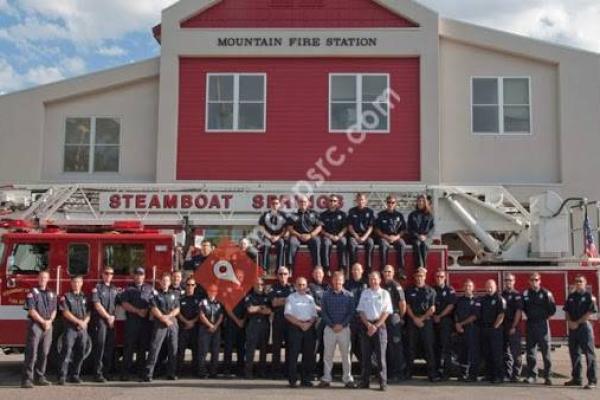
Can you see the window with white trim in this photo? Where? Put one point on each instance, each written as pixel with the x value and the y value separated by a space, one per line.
pixel 236 102
pixel 501 105
pixel 359 100
pixel 92 144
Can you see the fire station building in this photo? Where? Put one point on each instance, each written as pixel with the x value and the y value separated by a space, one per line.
pixel 256 91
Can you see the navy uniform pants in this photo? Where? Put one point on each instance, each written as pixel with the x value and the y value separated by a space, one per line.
pixel 136 342
pixel 420 250
pixel 512 355
pixel 582 340
pixel 267 245
pixel 425 337
pixel 314 245
pixel 342 253
pixel 384 249
pixel 188 339
pixel 279 340
pixel 234 337
pixel 468 354
pixel 36 352
pixel 208 342
pixel 492 342
pixel 396 363
pixel 103 338
pixel 301 342
pixel 373 347
pixel 257 337
pixel 73 352
pixel 443 345
pixel 353 247
pixel 160 334
pixel 538 336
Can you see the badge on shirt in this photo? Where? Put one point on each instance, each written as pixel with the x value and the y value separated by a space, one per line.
pixel 541 295
pixel 494 302
pixel 339 217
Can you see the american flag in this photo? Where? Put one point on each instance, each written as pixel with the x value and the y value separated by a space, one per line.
pixel 590 245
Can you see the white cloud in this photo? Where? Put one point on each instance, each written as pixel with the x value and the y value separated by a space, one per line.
pixel 569 22
pixel 42 75
pixel 11 79
pixel 112 51
pixel 74 66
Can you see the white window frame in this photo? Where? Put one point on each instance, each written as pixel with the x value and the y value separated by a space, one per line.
pixel 501 105
pixel 92 144
pixel 236 102
pixel 358 76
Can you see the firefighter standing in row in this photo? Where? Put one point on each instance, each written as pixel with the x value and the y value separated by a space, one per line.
pixel 209 332
pixel 493 309
pixel 235 336
pixel 189 313
pixel 164 307
pixel 420 301
pixel 361 220
pixel 512 334
pixel 355 285
pixel 279 292
pixel 135 300
pixel 40 305
pixel 466 314
pixel 317 288
pixel 580 308
pixel 304 227
pixel 301 314
pixel 335 227
pixel 445 299
pixel 104 307
pixel 273 227
pixel 539 306
pixel 390 226
pixel 76 312
pixel 258 309
pixel 396 362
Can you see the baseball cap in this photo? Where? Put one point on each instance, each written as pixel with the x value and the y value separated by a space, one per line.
pixel 139 271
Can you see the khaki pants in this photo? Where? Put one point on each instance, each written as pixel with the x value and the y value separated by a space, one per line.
pixel 330 341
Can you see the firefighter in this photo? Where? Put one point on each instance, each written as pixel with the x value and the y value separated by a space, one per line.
pixel 396 362
pixel 420 301
pixel 420 226
pixel 304 227
pixel 493 308
pixel 196 256
pixel 360 226
pixel 301 314
pixel 335 227
pixel 374 308
pixel 512 334
pixel 40 304
pixel 235 335
pixel 445 300
pixel 272 225
pixel 209 333
pixel 104 300
pixel 258 309
pixel 317 288
pixel 135 300
pixel 580 308
pixel 466 314
pixel 279 292
pixel 76 312
pixel 355 285
pixel 164 307
pixel 539 306
pixel 247 247
pixel 189 312
pixel 390 227
pixel 178 285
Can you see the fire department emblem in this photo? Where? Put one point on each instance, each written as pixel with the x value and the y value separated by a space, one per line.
pixel 231 271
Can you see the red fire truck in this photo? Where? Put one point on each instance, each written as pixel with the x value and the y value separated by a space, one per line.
pixel 481 233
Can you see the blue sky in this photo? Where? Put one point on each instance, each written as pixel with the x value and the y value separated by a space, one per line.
pixel 42 41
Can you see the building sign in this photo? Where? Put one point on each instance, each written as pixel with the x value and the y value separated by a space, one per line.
pixel 297 42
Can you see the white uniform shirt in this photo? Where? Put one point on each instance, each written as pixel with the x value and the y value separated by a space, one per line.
pixel 373 303
pixel 300 306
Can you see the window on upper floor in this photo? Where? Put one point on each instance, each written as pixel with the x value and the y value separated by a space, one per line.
pixel 92 144
pixel 359 100
pixel 236 102
pixel 501 105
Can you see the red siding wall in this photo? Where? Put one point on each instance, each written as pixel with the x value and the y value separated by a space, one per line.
pixel 297 13
pixel 297 123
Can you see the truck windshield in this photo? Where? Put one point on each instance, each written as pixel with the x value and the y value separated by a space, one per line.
pixel 124 258
pixel 28 258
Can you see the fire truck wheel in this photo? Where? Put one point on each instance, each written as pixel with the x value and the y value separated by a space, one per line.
pixel 87 347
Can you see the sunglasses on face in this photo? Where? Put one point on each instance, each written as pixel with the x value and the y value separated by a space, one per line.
pixel 191 285
pixel 282 273
pixel 534 280
pixel 391 202
pixel 579 281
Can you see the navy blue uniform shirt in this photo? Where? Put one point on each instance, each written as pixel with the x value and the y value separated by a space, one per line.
pixel 467 307
pixel 538 305
pixel 361 219
pixel 578 304
pixel 107 296
pixel 420 223
pixel 514 303
pixel 42 301
pixel 491 307
pixel 257 299
pixel 420 299
pixel 189 307
pixel 274 224
pixel 76 304
pixel 334 221
pixel 304 221
pixel 138 296
pixel 444 296
pixel 390 223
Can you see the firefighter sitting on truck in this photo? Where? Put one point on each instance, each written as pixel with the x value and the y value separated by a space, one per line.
pixel 76 312
pixel 195 256
pixel 41 312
